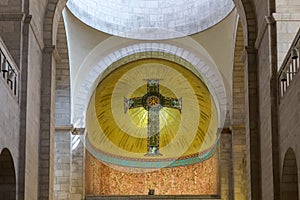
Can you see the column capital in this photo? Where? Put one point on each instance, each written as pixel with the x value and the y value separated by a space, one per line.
pixel 237 126
pixel 78 131
pixel 269 20
pixel 49 49
pixel 27 18
pixel 226 130
pixel 247 51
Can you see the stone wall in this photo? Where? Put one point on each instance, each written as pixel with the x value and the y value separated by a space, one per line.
pixel 69 150
pixel 21 32
pixel 22 116
pixel 287 18
pixel 265 122
pixel 265 114
pixel 10 26
pixel 68 165
pixel 9 119
pixel 32 118
pixel 289 123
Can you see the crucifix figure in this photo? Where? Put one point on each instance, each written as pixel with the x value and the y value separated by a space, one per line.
pixel 153 102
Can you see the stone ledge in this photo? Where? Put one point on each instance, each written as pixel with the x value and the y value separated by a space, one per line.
pixel 286 16
pixel 11 16
pixel 67 127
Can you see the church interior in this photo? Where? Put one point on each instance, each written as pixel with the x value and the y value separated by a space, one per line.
pixel 149 99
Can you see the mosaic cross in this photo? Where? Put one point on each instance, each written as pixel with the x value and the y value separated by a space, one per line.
pixel 153 102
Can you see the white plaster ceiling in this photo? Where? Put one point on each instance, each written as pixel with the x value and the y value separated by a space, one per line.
pixel 151 19
pixel 92 51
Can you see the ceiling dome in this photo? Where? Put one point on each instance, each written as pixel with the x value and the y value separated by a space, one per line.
pixel 119 135
pixel 151 19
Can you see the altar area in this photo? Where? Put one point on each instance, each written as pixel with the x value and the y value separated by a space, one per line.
pixel 157 197
pixel 196 179
pixel 159 132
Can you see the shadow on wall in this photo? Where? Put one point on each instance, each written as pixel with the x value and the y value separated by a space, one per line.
pixel 7 176
pixel 289 180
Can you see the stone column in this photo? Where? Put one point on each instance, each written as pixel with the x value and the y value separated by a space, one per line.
pixel 251 121
pixel 238 120
pixel 272 37
pixel 226 164
pixel 78 166
pixel 239 161
pixel 23 106
pixel 62 163
pixel 47 108
pixel 69 163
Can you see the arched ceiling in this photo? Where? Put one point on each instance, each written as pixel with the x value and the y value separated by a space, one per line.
pixel 151 19
pixel 189 135
pixel 204 63
pixel 92 51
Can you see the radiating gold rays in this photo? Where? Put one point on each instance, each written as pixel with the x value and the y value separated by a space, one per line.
pixel 125 134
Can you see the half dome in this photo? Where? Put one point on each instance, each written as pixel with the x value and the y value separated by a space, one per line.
pixel 120 136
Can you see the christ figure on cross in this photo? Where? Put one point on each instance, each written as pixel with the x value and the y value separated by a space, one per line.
pixel 153 102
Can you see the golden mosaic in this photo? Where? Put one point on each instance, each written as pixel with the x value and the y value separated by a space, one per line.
pixel 124 135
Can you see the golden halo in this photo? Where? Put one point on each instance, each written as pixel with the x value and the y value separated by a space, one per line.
pixel 112 131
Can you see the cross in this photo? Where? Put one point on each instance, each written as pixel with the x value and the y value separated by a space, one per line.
pixel 153 102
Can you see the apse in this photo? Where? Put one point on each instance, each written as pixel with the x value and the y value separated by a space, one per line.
pixel 147 120
pixel 152 110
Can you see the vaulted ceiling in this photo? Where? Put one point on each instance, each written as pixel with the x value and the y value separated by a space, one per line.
pixel 151 19
pixel 106 68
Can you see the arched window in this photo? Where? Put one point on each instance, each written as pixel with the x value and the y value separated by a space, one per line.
pixel 289 179
pixel 7 176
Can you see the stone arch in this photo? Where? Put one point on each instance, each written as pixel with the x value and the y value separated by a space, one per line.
pixel 238 94
pixel 251 162
pixel 238 112
pixel 51 21
pixel 51 59
pixel 55 7
pixel 249 24
pixel 62 117
pixel 91 79
pixel 244 7
pixel 7 176
pixel 248 21
pixel 62 78
pixel 289 177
